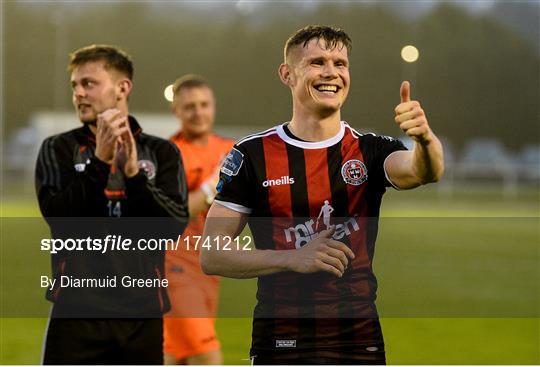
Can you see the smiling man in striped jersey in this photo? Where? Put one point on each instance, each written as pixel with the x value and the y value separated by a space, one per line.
pixel 316 290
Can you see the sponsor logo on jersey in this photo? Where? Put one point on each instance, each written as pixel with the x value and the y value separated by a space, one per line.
pixel 386 137
pixel 286 343
pixel 148 168
pixel 284 180
pixel 233 162
pixel 354 172
pixel 220 184
pixel 80 167
pixel 302 233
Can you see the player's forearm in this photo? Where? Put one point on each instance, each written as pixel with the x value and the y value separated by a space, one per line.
pixel 244 264
pixel 196 202
pixel 427 161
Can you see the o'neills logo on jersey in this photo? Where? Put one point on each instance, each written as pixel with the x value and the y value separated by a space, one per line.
pixel 302 233
pixel 284 180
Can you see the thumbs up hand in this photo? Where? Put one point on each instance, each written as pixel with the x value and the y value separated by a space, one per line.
pixel 411 117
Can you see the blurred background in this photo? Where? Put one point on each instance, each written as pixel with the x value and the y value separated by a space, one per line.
pixel 477 71
pixel 474 65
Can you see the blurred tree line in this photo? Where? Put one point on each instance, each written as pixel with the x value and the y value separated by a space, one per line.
pixel 475 77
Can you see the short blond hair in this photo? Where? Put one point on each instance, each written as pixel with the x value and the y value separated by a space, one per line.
pixel 189 81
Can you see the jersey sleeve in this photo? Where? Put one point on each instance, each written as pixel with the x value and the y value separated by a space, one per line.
pixel 379 147
pixel 234 188
pixel 164 196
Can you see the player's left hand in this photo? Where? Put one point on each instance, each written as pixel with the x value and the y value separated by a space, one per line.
pixel 411 117
pixel 127 159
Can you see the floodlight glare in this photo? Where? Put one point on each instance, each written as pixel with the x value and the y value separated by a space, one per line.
pixel 409 53
pixel 168 93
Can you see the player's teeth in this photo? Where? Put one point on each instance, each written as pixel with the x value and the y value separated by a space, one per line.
pixel 330 88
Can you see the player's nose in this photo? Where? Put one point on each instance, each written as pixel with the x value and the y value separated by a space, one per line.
pixel 78 92
pixel 329 70
pixel 199 111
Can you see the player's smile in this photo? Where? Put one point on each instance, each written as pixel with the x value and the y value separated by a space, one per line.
pixel 329 89
pixel 327 95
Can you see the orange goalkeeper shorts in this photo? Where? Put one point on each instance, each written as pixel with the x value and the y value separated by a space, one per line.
pixel 188 329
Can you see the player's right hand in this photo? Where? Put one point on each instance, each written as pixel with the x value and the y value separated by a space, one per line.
pixel 322 254
pixel 111 125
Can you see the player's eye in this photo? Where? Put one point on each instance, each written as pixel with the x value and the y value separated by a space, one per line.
pixel 88 84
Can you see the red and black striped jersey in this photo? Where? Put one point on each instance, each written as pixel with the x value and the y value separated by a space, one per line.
pixel 292 190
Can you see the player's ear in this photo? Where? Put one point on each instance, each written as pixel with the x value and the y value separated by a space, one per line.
pixel 284 72
pixel 124 86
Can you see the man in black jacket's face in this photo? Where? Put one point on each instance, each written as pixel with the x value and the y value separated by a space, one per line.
pixel 97 89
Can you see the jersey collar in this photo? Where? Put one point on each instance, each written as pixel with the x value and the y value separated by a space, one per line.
pixel 308 144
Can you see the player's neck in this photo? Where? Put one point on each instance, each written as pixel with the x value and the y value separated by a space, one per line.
pixel 313 128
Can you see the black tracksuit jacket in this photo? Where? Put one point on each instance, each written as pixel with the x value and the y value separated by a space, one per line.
pixel 81 196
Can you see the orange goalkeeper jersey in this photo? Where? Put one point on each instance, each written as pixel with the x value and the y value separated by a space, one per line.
pixel 200 162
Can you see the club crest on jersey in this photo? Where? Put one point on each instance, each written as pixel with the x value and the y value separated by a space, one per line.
pixel 354 172
pixel 148 168
pixel 233 162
